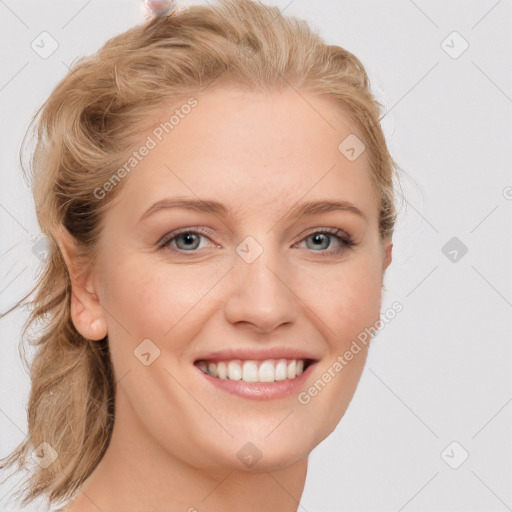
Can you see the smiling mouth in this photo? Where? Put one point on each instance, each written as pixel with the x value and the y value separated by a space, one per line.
pixel 268 370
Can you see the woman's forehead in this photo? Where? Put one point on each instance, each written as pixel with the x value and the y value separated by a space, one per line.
pixel 251 151
pixel 253 132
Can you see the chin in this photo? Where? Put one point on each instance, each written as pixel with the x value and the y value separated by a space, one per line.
pixel 257 454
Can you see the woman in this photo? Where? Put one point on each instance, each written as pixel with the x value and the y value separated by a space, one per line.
pixel 218 196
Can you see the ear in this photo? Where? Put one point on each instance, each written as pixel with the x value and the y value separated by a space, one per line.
pixel 87 313
pixel 388 254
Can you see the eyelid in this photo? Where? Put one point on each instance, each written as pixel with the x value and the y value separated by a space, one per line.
pixel 341 233
pixel 189 229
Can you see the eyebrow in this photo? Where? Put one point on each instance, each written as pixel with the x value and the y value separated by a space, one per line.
pixel 212 206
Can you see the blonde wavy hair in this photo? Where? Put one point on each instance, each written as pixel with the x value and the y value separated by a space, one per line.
pixel 84 132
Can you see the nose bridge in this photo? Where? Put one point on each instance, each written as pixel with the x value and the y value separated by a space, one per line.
pixel 258 266
pixel 258 294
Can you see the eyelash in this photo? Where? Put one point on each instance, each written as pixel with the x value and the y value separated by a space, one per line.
pixel 346 241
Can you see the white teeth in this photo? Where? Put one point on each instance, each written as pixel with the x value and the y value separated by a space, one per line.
pixel 280 372
pixel 269 370
pixel 222 370
pixel 234 370
pixel 291 370
pixel 250 371
pixel 212 369
pixel 266 371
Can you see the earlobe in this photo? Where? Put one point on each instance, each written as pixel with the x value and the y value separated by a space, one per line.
pixel 388 254
pixel 98 329
pixel 87 314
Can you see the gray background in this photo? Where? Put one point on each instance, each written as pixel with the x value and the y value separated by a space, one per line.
pixel 440 371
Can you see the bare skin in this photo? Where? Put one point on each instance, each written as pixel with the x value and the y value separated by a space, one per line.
pixel 176 437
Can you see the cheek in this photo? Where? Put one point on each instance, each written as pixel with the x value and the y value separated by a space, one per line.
pixel 152 300
pixel 345 297
pixel 351 305
pixel 348 304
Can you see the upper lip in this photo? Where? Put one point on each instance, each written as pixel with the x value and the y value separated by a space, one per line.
pixel 257 354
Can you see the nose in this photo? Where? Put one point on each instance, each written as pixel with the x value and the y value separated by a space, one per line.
pixel 260 297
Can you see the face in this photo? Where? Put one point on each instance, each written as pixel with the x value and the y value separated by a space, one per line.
pixel 244 286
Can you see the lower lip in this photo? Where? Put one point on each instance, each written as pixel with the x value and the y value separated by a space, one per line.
pixel 260 390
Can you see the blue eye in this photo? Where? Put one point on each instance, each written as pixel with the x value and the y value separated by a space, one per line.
pixel 322 240
pixel 189 240
pixel 186 240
